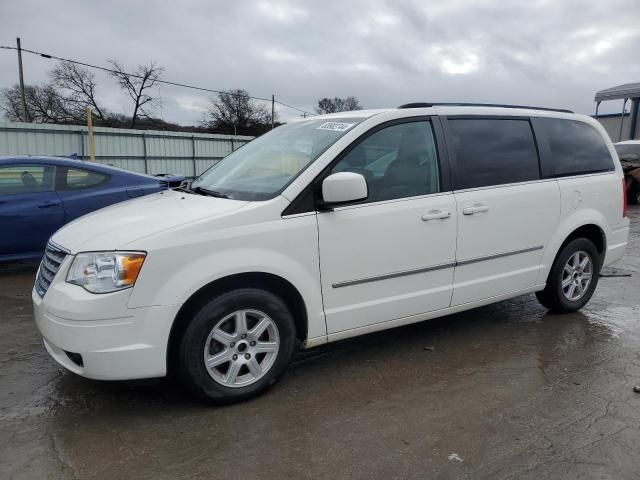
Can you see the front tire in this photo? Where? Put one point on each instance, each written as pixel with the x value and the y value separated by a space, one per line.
pixel 236 346
pixel 573 277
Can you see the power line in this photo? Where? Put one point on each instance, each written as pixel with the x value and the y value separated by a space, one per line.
pixel 166 82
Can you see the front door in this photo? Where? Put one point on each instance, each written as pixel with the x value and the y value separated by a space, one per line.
pixel 391 256
pixel 30 211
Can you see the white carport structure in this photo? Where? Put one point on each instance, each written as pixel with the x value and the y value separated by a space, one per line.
pixel 626 92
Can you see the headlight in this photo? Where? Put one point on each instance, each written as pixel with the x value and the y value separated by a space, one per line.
pixel 104 272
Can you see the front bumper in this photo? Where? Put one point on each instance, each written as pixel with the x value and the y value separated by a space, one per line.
pixel 131 345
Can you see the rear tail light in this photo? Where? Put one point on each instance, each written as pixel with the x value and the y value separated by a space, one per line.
pixel 624 198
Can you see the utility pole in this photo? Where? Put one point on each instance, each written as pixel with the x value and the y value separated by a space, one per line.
pixel 24 98
pixel 273 109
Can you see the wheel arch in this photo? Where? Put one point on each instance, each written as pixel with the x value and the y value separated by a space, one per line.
pixel 265 281
pixel 592 231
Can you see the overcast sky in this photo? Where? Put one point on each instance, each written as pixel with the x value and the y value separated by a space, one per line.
pixel 554 53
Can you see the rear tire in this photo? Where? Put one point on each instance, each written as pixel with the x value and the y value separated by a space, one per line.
pixel 236 346
pixel 633 195
pixel 573 277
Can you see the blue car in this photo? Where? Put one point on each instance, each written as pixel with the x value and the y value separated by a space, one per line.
pixel 38 195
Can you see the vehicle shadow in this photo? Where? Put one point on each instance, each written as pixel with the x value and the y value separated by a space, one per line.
pixel 435 350
pixel 18 268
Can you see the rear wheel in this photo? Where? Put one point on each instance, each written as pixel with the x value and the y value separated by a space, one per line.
pixel 573 277
pixel 237 346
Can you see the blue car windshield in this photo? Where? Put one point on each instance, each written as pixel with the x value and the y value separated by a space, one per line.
pixel 262 168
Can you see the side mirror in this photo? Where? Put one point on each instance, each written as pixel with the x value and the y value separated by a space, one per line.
pixel 344 187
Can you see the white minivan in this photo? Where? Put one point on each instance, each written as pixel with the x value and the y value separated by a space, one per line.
pixel 331 227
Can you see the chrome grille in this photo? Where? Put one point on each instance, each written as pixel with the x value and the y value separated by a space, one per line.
pixel 53 257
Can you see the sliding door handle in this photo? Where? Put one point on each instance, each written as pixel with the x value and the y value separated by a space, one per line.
pixel 475 209
pixel 435 215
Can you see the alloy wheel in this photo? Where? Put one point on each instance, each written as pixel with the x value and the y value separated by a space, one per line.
pixel 577 275
pixel 241 348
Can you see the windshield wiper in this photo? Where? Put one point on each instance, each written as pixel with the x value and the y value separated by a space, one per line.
pixel 211 193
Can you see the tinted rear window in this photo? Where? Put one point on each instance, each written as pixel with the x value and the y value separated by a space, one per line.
pixel 493 152
pixel 573 148
pixel 628 151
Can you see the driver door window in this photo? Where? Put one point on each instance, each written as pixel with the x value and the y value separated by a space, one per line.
pixel 398 161
pixel 24 178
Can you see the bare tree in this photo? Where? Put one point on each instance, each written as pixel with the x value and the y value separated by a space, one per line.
pixel 235 112
pixel 137 86
pixel 44 104
pixel 336 104
pixel 11 105
pixel 76 87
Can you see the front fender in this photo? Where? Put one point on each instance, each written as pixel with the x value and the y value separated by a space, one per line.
pixel 170 276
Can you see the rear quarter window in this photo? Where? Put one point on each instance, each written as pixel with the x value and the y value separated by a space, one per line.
pixel 79 179
pixel 571 147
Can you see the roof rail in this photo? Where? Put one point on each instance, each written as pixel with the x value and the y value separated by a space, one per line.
pixel 457 104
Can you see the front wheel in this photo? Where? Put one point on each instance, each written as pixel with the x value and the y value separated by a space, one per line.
pixel 573 277
pixel 237 345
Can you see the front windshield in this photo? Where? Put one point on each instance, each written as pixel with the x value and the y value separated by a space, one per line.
pixel 263 167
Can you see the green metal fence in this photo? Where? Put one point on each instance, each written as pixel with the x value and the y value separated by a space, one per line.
pixel 146 151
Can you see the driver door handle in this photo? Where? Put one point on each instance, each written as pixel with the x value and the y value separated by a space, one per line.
pixel 48 204
pixel 475 209
pixel 436 215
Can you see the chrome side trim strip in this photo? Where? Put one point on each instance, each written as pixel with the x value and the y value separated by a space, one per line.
pixel 386 276
pixel 498 255
pixel 402 273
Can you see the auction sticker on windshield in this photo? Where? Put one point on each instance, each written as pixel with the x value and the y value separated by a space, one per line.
pixel 336 126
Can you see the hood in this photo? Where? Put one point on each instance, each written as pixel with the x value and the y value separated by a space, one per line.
pixel 112 227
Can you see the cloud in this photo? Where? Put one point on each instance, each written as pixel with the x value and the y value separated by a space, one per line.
pixel 281 11
pixel 455 60
pixel 382 51
pixel 191 103
pixel 279 55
